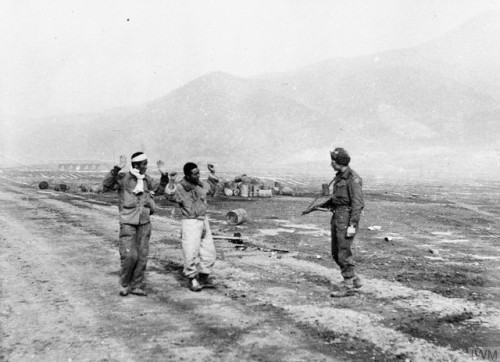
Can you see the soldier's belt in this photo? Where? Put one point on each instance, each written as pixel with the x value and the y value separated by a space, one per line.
pixel 341 208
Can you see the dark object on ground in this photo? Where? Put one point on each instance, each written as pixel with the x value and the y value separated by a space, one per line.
pixel 43 185
pixel 61 187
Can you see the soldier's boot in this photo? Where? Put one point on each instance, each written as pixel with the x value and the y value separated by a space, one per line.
pixel 346 289
pixel 139 291
pixel 124 291
pixel 206 281
pixel 356 282
pixel 194 285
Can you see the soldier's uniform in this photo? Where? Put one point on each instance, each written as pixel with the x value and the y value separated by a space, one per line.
pixel 346 204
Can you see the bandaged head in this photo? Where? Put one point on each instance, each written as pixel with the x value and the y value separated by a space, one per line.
pixel 138 157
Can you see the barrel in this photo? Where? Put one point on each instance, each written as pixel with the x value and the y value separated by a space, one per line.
pixel 236 216
pixel 265 193
pixel 255 190
pixel 326 189
pixel 244 190
pixel 228 192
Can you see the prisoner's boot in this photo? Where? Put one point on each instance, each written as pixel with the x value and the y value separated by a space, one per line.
pixel 124 291
pixel 356 282
pixel 139 291
pixel 346 289
pixel 206 281
pixel 194 285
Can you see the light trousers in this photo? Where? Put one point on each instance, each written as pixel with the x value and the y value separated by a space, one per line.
pixel 198 247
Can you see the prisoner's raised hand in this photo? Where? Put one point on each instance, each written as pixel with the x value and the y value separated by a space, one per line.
pixel 123 161
pixel 171 180
pixel 161 167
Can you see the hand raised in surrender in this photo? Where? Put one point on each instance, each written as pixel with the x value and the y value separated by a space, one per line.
pixel 123 161
pixel 172 177
pixel 161 167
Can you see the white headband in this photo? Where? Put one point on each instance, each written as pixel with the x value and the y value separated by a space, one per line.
pixel 139 158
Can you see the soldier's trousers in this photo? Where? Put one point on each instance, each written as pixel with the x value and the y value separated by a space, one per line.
pixel 134 250
pixel 197 246
pixel 341 246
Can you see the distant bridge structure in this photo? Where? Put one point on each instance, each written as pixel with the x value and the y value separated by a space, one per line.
pixel 82 166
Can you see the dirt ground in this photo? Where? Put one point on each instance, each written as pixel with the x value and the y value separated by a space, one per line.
pixel 431 291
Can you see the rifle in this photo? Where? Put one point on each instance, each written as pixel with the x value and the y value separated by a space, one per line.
pixel 311 209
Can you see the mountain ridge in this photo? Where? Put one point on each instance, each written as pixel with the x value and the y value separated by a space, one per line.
pixel 399 105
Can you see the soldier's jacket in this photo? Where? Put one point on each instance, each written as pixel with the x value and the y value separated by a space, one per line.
pixel 347 191
pixel 134 209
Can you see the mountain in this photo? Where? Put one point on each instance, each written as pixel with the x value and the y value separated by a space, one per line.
pixel 425 107
pixel 444 93
pixel 219 116
pixel 469 54
pixel 215 117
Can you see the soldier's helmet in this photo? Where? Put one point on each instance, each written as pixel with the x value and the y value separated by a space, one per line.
pixel 340 156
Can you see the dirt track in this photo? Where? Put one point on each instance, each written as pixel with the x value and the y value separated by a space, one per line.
pixel 59 300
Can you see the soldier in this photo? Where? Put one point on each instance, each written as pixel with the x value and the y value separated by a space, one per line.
pixel 346 204
pixel 135 204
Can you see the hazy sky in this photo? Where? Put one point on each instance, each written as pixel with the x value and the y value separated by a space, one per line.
pixel 81 56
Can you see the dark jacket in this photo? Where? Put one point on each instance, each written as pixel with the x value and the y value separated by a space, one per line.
pixel 134 209
pixel 347 191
